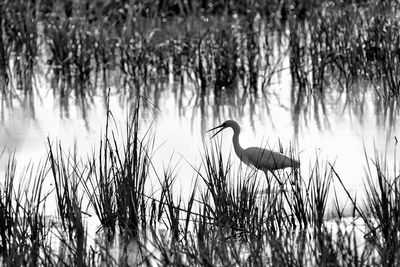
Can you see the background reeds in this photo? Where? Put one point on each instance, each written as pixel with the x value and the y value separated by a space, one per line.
pixel 224 47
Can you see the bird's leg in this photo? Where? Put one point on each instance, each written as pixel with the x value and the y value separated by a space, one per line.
pixel 268 181
pixel 276 177
pixel 281 184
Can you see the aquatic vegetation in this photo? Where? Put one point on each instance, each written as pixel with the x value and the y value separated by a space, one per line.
pixel 380 211
pixel 229 216
pixel 19 51
pixel 66 172
pixel 24 227
pixel 227 55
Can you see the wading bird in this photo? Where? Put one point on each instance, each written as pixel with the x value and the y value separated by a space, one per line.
pixel 263 159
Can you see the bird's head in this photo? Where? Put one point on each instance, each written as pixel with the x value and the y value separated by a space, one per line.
pixel 229 123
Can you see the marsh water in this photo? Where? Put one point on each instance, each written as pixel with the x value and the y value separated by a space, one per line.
pixel 346 128
pixel 316 81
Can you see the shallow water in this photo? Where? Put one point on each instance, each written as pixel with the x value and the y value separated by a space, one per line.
pixel 330 131
pixel 339 126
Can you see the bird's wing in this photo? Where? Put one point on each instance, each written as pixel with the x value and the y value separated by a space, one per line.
pixel 265 159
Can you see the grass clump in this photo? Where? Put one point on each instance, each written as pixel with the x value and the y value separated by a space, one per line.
pixel 23 226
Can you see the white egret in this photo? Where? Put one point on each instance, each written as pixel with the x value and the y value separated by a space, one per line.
pixel 263 159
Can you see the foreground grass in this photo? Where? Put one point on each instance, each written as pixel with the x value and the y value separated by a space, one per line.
pixel 229 217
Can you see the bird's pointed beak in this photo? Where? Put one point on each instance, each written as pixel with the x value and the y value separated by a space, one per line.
pixel 220 126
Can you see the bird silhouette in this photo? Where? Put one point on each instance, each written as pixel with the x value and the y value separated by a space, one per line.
pixel 263 159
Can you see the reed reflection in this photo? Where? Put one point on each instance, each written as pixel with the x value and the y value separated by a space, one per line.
pixel 215 67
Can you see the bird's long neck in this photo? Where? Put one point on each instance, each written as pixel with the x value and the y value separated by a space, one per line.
pixel 236 145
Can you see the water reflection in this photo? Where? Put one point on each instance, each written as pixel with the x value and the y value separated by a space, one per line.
pixel 323 86
pixel 273 80
pixel 235 67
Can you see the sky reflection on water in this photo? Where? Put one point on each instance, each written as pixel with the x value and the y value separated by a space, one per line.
pixel 333 127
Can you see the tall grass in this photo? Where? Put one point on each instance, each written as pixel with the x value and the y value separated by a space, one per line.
pixel 229 216
pixel 380 210
pixel 116 182
pixel 235 225
pixel 72 233
pixel 23 226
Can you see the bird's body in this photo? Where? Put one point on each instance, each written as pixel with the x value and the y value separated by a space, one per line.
pixel 262 159
pixel 266 160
